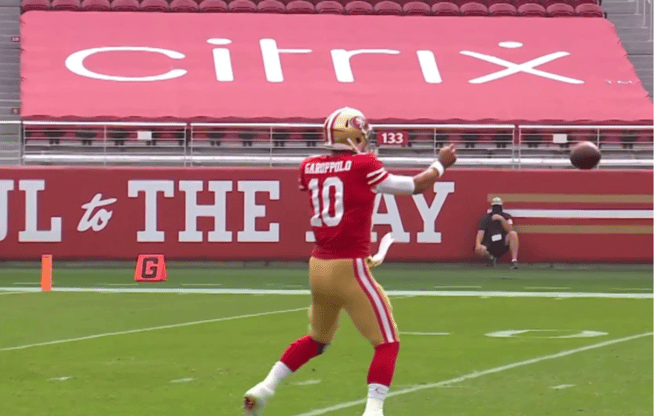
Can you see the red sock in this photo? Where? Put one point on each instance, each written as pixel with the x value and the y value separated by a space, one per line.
pixel 301 351
pixel 382 366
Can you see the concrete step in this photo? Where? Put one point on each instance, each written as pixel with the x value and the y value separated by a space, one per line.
pixel 627 31
pixel 9 74
pixel 7 113
pixel 9 129
pixel 9 46
pixel 9 84
pixel 626 21
pixel 620 8
pixel 6 65
pixel 9 55
pixel 8 29
pixel 644 37
pixel 638 48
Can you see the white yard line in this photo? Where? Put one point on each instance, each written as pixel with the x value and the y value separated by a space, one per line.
pixel 457 287
pixel 116 284
pixel 14 293
pixel 201 284
pixel 152 328
pixel 183 380
pixel 477 374
pixel 562 386
pixel 446 293
pixel 546 287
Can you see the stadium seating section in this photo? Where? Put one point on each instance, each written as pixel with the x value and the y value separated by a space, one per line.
pixel 524 8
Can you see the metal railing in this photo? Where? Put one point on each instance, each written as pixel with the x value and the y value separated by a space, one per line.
pixel 287 144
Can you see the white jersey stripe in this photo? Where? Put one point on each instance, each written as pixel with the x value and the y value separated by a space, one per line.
pixel 377 178
pixel 375 172
pixel 362 283
pixel 386 308
pixel 378 304
pixel 329 124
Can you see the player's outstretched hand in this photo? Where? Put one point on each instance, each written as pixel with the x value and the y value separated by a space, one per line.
pixel 447 156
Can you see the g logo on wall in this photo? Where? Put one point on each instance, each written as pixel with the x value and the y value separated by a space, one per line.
pixel 150 268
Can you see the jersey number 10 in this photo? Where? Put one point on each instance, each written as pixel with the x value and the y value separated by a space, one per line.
pixel 322 213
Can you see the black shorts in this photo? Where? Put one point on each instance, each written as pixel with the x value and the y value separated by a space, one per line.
pixel 497 249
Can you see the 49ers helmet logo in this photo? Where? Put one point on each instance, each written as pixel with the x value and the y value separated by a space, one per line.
pixel 359 122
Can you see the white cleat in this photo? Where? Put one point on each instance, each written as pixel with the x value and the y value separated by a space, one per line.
pixel 255 400
pixel 375 413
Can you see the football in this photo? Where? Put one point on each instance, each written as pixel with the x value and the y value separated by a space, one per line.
pixel 585 155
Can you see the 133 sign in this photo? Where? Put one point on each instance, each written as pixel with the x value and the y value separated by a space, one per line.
pixel 392 138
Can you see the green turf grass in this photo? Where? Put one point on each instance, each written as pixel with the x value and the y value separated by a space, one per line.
pixel 133 374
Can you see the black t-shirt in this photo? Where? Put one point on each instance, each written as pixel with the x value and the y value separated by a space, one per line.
pixel 493 228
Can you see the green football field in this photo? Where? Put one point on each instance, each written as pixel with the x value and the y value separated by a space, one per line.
pixel 541 340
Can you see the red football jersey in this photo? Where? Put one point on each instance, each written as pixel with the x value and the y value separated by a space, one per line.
pixel 342 201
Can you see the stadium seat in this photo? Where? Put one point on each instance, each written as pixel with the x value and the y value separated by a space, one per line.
pixel 184 6
pixel 66 5
pixel 330 7
pixel 579 2
pixel 518 3
pixel 373 3
pixel 213 6
pixel 462 2
pixel 88 135
pixel 242 6
pixel 474 8
pixel 531 139
pixel 28 5
pixel 300 7
pixel 560 10
pixel 576 136
pixel 271 6
pixel 96 5
pixel 645 137
pixel 502 9
pixel 160 6
pixel 532 10
pixel 589 10
pixel 358 7
pixel 387 7
pixel 125 6
pixel 416 8
pixel 609 137
pixel 429 2
pixel 445 9
pixel 492 2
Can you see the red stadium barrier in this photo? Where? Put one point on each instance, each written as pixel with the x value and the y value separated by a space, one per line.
pixel 259 214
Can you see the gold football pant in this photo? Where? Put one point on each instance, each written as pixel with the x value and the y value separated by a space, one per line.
pixel 347 284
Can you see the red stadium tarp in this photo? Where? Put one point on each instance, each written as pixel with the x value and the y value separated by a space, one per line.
pixel 260 214
pixel 262 67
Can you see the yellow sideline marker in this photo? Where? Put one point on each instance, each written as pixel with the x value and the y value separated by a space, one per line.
pixel 46 273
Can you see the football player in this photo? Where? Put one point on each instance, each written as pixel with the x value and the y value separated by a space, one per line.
pixel 341 188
